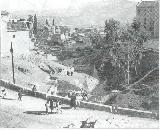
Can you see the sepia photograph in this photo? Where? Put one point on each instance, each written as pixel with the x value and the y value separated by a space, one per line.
pixel 79 64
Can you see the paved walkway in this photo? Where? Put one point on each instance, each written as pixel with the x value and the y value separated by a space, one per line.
pixel 29 113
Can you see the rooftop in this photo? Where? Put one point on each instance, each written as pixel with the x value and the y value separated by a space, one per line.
pixel 148 3
pixel 4 13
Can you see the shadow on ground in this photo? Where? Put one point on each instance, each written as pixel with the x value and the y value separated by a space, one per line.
pixel 36 112
pixel 8 98
pixel 43 112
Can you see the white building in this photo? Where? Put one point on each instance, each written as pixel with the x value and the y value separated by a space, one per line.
pixel 21 43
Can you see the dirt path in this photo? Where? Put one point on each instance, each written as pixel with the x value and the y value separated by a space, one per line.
pixel 29 113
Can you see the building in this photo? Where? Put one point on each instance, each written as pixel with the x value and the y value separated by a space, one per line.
pixel 21 42
pixel 147 12
pixel 18 25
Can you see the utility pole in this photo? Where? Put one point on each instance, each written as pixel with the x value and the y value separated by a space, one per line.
pixel 11 50
pixel 128 67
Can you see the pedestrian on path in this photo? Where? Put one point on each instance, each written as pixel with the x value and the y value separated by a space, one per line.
pixel 51 105
pixel 4 93
pixel 47 106
pixel 20 95
pixel 34 89
pixel 73 100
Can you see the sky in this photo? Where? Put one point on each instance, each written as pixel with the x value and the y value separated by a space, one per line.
pixel 45 4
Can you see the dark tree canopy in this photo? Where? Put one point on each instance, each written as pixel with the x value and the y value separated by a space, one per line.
pixel 35 25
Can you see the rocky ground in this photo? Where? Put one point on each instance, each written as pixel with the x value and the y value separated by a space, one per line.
pixel 30 113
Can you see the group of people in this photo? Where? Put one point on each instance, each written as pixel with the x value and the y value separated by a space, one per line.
pixel 4 94
pixel 53 104
pixel 20 92
pixel 76 97
pixel 69 71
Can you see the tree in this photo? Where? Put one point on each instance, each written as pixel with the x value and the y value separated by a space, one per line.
pixel 30 18
pixel 47 22
pixel 96 39
pixel 53 22
pixel 35 25
pixel 127 52
pixel 111 30
pixel 135 25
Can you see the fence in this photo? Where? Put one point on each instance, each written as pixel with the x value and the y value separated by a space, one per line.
pixel 84 104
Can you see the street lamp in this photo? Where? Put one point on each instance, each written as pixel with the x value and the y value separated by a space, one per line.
pixel 11 50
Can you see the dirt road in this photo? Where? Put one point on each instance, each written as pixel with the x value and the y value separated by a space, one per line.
pixel 29 113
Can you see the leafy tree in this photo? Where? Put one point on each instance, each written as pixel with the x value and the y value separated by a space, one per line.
pixel 96 39
pixel 53 22
pixel 135 25
pixel 30 18
pixel 111 30
pixel 127 52
pixel 35 25
pixel 47 22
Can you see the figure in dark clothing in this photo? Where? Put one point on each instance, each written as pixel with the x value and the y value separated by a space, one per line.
pixel 71 73
pixel 73 101
pixel 69 94
pixel 47 106
pixel 34 89
pixel 20 95
pixel 4 93
pixel 85 96
pixel 68 73
pixel 51 105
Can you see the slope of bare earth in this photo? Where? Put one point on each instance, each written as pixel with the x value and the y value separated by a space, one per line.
pixel 33 74
pixel 30 73
pixel 30 113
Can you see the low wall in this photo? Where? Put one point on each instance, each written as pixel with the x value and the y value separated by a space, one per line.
pixel 83 104
pixel 95 106
pixel 17 87
pixel 137 113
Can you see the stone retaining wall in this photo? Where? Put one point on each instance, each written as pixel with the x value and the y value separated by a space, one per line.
pixel 83 104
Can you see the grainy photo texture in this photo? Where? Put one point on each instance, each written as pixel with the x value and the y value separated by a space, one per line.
pixel 79 64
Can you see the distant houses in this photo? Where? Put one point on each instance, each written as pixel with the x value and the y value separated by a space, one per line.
pixel 147 12
pixel 4 13
pixel 18 25
pixel 53 34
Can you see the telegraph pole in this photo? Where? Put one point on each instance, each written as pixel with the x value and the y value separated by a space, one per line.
pixel 11 50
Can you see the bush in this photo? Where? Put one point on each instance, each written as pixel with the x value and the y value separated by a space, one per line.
pixel 65 55
pixel 145 105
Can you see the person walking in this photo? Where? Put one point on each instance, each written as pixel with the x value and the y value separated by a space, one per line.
pixel 51 105
pixel 72 70
pixel 4 93
pixel 78 99
pixel 47 106
pixel 73 101
pixel 20 95
pixel 34 89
